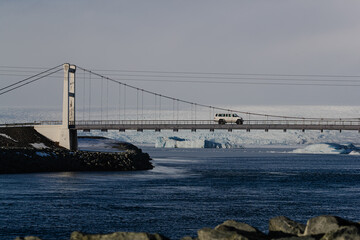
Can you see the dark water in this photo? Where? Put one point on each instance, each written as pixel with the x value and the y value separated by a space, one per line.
pixel 188 190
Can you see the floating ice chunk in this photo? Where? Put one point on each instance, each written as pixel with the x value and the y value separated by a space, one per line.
pixel 42 154
pixel 176 142
pixel 39 145
pixel 329 148
pixel 354 153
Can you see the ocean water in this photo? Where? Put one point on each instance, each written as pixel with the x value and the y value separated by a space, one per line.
pixel 187 190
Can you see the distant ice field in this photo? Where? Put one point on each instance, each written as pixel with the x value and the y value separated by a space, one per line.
pixel 255 138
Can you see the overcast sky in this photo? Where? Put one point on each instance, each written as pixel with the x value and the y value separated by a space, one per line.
pixel 239 36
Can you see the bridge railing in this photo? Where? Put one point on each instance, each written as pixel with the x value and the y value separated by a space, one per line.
pixel 322 122
pixel 19 124
pixel 314 122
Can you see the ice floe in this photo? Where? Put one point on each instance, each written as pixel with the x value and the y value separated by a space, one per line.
pixel 42 154
pixel 176 142
pixel 39 145
pixel 329 148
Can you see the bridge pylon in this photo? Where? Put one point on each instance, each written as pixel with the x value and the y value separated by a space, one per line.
pixel 65 134
pixel 68 138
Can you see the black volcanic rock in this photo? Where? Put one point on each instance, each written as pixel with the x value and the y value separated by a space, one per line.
pixel 24 150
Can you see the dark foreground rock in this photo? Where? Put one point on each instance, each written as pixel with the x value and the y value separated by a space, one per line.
pixel 28 160
pixel 324 224
pixel 283 227
pixel 117 236
pixel 23 150
pixel 318 228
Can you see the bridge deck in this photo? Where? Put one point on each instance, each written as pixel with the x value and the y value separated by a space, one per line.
pixel 211 125
pixel 194 125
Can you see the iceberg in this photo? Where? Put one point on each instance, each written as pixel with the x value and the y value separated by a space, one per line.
pixel 42 154
pixel 39 145
pixel 227 139
pixel 329 148
pixel 176 142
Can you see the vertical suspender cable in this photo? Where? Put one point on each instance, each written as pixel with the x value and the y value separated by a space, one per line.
pixel 155 107
pixel 107 100
pixel 177 116
pixel 195 113
pixel 124 102
pixel 89 95
pixel 119 108
pixel 83 110
pixel 213 114
pixel 173 109
pixel 142 104
pixel 137 104
pixel 191 112
pixel 102 79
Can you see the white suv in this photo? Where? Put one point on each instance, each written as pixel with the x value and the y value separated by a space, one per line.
pixel 223 118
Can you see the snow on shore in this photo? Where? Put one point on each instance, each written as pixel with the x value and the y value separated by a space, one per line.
pixel 6 136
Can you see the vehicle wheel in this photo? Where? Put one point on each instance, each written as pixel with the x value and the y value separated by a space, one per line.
pixel 239 122
pixel 221 121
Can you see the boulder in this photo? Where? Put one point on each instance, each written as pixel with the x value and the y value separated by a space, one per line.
pixel 231 230
pixel 343 233
pixel 282 226
pixel 238 225
pixel 241 229
pixel 324 224
pixel 27 238
pixel 296 238
pixel 215 234
pixel 117 236
pixel 187 238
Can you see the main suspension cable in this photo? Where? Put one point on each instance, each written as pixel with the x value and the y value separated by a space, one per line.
pixel 34 80
pixel 203 105
pixel 28 78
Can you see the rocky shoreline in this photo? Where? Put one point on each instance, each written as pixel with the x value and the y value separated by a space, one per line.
pixel 23 150
pixel 27 160
pixel 280 228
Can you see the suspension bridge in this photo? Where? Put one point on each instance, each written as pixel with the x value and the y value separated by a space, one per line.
pixel 107 103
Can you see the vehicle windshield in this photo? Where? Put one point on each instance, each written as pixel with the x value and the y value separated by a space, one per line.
pixel 235 115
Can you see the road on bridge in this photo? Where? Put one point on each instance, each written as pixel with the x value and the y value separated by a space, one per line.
pixel 176 125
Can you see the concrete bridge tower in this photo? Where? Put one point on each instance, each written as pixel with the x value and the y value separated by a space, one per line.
pixel 68 117
pixel 64 134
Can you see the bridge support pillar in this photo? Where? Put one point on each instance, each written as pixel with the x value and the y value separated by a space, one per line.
pixel 65 134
